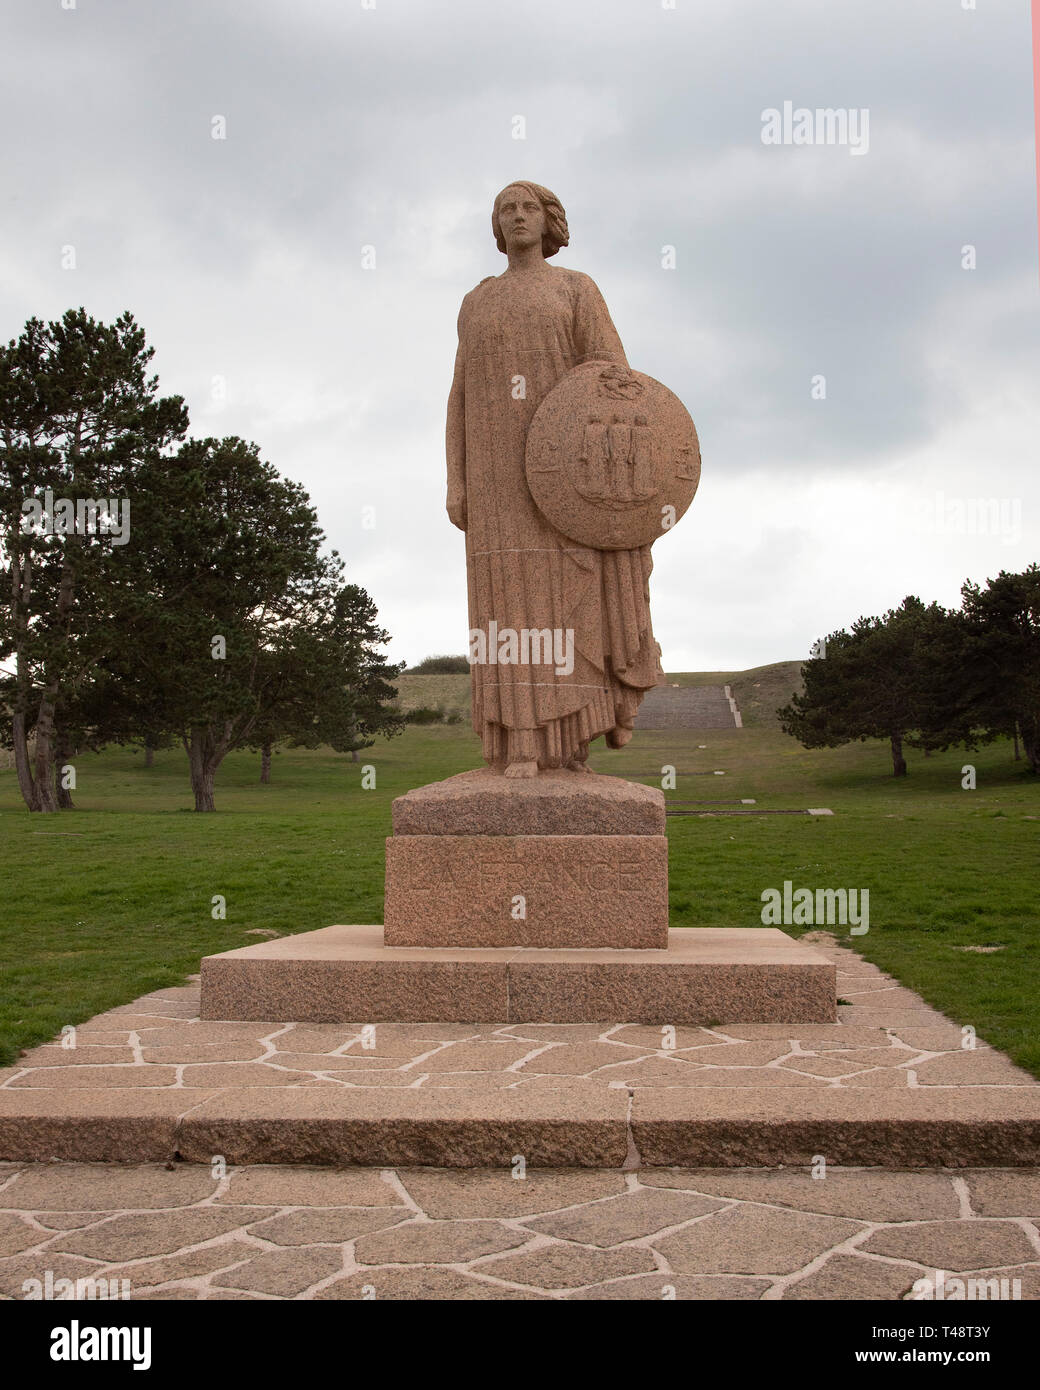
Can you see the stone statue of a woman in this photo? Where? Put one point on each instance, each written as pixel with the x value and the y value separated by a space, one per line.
pixel 520 333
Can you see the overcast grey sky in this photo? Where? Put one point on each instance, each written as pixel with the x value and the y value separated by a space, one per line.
pixel 390 124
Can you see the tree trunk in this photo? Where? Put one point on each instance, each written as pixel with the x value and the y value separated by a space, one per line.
pixel 149 755
pixel 203 761
pixel 354 756
pixel 44 760
pixel 1031 743
pixel 202 786
pixel 898 761
pixel 38 795
pixel 43 769
pixel 1018 751
pixel 64 751
pixel 265 763
pixel 26 785
pixel 21 589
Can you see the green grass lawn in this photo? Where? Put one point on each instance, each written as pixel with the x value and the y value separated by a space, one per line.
pixel 101 904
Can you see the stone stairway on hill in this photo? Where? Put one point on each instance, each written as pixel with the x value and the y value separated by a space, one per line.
pixel 689 707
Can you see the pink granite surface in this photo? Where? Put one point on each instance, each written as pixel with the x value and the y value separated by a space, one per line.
pixel 527 890
pixel 339 973
pixel 557 802
pixel 888 1084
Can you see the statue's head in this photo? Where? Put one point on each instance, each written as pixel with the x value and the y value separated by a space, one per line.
pixel 524 211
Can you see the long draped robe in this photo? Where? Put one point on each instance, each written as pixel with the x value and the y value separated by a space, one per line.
pixel 519 333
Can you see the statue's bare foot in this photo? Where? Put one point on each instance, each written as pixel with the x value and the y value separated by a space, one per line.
pixel 524 769
pixel 578 765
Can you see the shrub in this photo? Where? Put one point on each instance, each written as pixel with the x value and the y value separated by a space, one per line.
pixel 440 666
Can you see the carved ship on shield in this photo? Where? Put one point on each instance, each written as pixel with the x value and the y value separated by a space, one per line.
pixel 612 458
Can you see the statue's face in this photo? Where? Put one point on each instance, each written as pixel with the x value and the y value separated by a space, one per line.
pixel 521 218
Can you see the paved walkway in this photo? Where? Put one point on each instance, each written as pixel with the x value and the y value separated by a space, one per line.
pixel 276 1232
pixel 634 1225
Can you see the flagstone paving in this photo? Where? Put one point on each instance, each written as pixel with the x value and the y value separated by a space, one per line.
pixel 150 1081
pixel 188 1231
pixel 886 1036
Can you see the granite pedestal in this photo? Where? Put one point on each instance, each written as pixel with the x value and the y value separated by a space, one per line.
pixel 528 900
pixel 347 975
pixel 561 860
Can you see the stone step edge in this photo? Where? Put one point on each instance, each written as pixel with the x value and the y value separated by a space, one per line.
pixel 343 973
pixel 616 1131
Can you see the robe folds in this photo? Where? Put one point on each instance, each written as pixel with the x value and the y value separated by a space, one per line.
pixel 519 334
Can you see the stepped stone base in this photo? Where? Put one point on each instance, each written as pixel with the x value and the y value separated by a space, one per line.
pixel 739 1127
pixel 346 973
pixel 889 1084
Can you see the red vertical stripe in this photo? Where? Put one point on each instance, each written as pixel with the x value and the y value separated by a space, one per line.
pixel 1036 105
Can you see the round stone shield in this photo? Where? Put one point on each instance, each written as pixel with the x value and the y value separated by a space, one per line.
pixel 612 457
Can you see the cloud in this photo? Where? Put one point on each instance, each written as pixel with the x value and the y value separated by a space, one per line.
pixel 392 127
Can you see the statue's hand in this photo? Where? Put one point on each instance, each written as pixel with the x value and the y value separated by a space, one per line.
pixel 457 508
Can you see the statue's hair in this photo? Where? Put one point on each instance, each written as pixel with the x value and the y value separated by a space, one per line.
pixel 556 234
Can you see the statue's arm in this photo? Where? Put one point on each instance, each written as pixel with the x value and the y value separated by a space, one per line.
pixel 455 442
pixel 596 337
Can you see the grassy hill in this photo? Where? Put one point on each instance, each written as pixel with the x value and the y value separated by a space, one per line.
pixel 758 692
pixel 434 692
